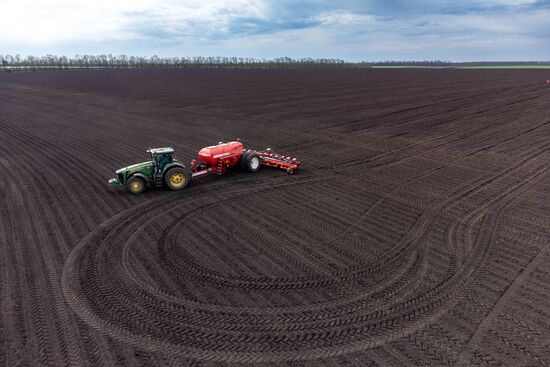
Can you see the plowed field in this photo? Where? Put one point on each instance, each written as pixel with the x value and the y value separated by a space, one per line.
pixel 417 231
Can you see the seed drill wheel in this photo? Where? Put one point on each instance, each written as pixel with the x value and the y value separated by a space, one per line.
pixel 177 178
pixel 251 162
pixel 135 185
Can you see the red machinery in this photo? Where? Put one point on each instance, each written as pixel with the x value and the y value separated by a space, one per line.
pixel 218 158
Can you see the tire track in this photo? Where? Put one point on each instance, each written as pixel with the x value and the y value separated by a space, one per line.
pixel 414 308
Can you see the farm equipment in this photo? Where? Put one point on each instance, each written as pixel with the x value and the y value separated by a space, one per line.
pixel 163 170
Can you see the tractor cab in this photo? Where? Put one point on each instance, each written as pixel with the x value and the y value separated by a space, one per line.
pixel 161 157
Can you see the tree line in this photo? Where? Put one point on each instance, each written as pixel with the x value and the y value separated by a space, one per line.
pixel 110 61
pixel 54 62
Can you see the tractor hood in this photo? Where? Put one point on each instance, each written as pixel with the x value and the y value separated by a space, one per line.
pixel 135 167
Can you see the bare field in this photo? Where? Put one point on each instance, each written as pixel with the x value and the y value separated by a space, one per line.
pixel 417 232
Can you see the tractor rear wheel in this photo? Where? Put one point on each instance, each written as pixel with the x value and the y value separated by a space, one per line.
pixel 135 185
pixel 251 161
pixel 177 178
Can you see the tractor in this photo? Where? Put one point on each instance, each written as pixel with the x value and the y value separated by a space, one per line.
pixel 163 170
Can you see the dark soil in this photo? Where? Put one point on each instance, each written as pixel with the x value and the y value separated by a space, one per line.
pixel 417 231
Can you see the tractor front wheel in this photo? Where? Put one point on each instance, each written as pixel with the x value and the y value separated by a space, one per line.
pixel 135 185
pixel 251 161
pixel 177 178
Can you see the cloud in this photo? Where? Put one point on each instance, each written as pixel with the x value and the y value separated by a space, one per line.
pixel 54 21
pixel 351 29
pixel 343 18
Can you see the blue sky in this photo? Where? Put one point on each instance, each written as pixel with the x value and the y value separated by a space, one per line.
pixel 348 29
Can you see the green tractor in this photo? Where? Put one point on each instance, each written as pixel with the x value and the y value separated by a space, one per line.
pixel 161 170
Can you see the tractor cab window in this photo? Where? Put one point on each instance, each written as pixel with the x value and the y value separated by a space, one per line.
pixel 161 160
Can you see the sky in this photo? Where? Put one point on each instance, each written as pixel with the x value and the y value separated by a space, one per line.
pixel 354 30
